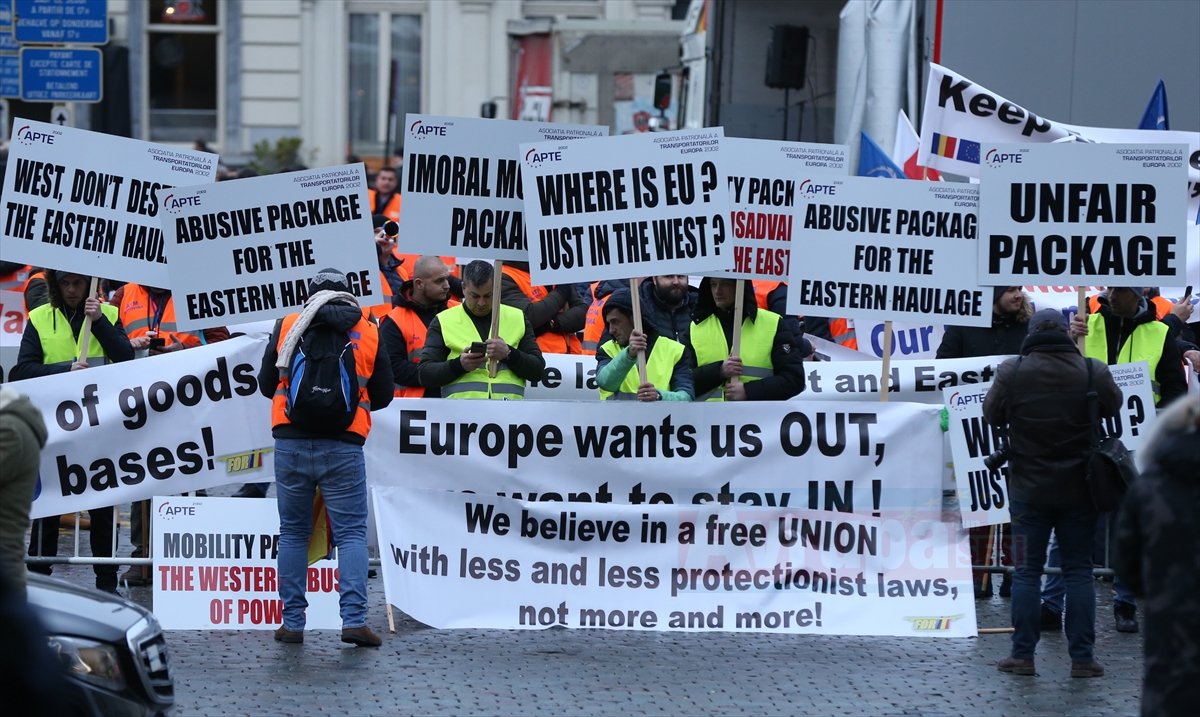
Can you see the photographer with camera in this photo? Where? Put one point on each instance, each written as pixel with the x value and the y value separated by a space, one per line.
pixel 1041 399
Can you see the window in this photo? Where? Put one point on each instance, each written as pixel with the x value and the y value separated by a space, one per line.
pixel 183 62
pixel 385 66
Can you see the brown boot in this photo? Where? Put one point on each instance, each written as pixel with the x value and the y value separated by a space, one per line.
pixel 361 636
pixel 289 636
pixel 1017 666
pixel 1087 669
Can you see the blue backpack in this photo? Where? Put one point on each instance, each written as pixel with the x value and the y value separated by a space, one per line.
pixel 322 394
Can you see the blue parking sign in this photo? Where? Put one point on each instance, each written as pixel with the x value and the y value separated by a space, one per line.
pixel 61 75
pixel 83 22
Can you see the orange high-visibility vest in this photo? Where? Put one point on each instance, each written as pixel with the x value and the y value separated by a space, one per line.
pixel 842 332
pixel 549 342
pixel 593 325
pixel 364 336
pixel 414 332
pixel 1162 305
pixel 391 211
pixel 140 314
pixel 16 281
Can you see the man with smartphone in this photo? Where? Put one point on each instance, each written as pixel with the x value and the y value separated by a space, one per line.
pixel 459 345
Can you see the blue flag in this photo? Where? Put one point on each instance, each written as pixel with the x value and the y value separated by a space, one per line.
pixel 874 162
pixel 1155 116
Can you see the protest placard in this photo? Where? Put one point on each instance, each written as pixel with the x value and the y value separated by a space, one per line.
pixel 12 327
pixel 628 206
pixel 244 250
pixel 215 567
pixel 887 251
pixel 469 561
pixel 982 491
pixel 1109 214
pixel 762 179
pixel 462 184
pixel 961 116
pixel 85 201
pixel 172 423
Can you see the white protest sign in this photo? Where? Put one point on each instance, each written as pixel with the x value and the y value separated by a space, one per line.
pixel 826 350
pixel 172 423
pixel 1137 412
pixel 961 116
pixel 12 328
pixel 762 179
pixel 215 567
pixel 1109 214
pixel 619 207
pixel 458 560
pixel 849 456
pixel 982 491
pixel 244 250
pixel 85 201
pixel 887 250
pixel 462 184
pixel 909 339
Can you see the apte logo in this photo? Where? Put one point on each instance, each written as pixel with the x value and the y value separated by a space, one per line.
pixel 808 188
pixel 960 402
pixel 167 511
pixel 932 624
pixel 28 136
pixel 996 158
pixel 420 130
pixel 535 158
pixel 176 205
pixel 246 462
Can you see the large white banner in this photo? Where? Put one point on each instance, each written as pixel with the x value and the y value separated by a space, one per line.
pixel 459 560
pixel 620 207
pixel 85 201
pixel 213 572
pixel 462 184
pixel 245 250
pixel 961 116
pixel 887 250
pixel 763 175
pixel 1110 214
pixel 166 424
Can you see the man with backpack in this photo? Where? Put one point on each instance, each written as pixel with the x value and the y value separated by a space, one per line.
pixel 324 373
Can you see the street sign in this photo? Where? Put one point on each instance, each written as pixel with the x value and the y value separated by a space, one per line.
pixel 83 22
pixel 10 75
pixel 60 115
pixel 8 43
pixel 6 15
pixel 61 75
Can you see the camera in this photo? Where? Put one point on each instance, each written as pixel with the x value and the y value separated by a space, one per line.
pixel 478 348
pixel 996 458
pixel 391 229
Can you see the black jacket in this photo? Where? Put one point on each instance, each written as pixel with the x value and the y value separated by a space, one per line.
pixel 1003 338
pixel 404 372
pixel 787 363
pixel 1169 375
pixel 1156 556
pixel 1040 398
pixel 674 323
pixel 379 385
pixel 562 311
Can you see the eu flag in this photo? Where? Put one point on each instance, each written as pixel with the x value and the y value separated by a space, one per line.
pixel 874 162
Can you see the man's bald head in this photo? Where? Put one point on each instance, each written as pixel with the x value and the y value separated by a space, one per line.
pixel 431 281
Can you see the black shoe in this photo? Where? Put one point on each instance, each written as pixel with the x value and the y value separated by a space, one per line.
pixel 372 573
pixel 1125 617
pixel 1051 619
pixel 983 593
pixel 1006 586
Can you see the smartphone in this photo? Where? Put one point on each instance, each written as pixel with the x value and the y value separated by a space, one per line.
pixel 1187 293
pixel 478 347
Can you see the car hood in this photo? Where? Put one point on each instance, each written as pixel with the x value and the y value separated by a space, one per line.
pixel 67 609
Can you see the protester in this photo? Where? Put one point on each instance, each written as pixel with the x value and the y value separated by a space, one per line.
pixel 148 315
pixel 1010 324
pixel 404 329
pixel 384 197
pixel 1158 557
pixel 556 313
pixel 22 436
pixel 668 365
pixel 459 345
pixel 768 367
pixel 1039 400
pixel 309 455
pixel 50 345
pixel 1124 331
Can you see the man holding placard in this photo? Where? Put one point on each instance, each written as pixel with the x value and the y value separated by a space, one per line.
pixel 51 344
pixel 766 367
pixel 668 364
pixel 461 341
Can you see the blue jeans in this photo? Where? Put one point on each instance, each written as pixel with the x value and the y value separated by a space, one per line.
pixel 1075 527
pixel 1054 588
pixel 338 468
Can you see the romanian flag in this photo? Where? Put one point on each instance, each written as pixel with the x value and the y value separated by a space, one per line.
pixel 320 540
pixel 943 146
pixel 964 150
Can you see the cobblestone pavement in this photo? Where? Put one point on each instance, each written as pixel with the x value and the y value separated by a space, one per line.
pixel 421 671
